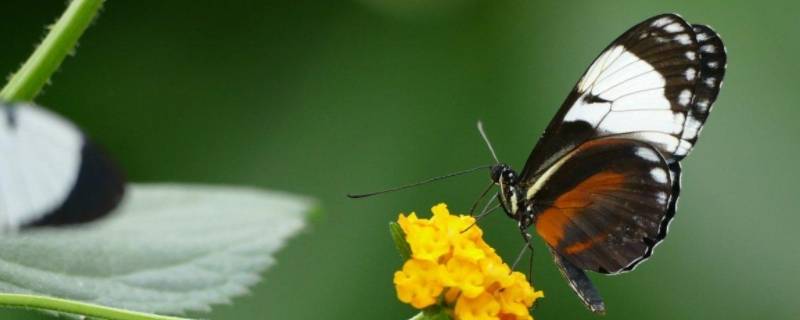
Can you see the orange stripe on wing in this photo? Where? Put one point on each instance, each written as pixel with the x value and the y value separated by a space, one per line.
pixel 552 223
pixel 583 245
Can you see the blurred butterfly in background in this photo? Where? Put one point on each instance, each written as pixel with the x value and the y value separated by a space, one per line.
pixel 602 183
pixel 50 172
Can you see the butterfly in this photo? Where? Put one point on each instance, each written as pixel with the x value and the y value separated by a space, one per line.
pixel 50 172
pixel 601 185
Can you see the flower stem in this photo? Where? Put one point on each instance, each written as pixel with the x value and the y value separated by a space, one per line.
pixel 45 60
pixel 74 307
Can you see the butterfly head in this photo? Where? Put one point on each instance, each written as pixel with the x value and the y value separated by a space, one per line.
pixel 502 174
pixel 510 196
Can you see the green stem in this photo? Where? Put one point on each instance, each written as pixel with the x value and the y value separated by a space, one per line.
pixel 45 60
pixel 74 307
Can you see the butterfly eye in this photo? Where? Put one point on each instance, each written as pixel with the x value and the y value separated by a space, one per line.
pixel 498 170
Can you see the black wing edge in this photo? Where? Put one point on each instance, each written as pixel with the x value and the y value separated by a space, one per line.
pixel 98 190
pixel 713 62
pixel 580 283
pixel 675 176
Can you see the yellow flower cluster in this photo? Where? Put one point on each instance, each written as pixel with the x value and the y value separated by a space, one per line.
pixel 458 269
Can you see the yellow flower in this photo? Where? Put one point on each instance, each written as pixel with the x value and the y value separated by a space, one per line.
pixel 482 307
pixel 422 236
pixel 418 283
pixel 465 276
pixel 458 270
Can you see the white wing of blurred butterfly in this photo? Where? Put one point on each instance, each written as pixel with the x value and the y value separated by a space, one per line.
pixel 50 173
pixel 168 248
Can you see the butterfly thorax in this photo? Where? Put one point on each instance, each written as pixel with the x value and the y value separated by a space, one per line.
pixel 511 196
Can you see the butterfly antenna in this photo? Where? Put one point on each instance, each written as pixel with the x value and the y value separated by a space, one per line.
pixel 486 139
pixel 458 173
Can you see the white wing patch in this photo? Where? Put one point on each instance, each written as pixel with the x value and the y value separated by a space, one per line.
pixel 659 175
pixel 647 154
pixel 660 140
pixel 662 22
pixel 625 75
pixel 632 95
pixel 588 112
pixel 601 64
pixel 41 155
pixel 666 121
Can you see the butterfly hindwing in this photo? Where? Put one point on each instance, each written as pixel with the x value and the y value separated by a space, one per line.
pixel 655 83
pixel 605 205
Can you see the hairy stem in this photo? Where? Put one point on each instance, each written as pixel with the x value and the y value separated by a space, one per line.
pixel 26 83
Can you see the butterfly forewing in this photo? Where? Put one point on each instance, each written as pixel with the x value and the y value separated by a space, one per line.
pixel 644 86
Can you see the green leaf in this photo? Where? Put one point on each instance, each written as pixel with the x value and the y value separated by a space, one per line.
pixel 168 249
pixel 399 238
pixel 432 313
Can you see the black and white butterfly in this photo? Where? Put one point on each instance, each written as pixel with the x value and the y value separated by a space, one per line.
pixel 50 173
pixel 602 183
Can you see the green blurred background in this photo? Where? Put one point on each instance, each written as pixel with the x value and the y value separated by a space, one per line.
pixel 322 98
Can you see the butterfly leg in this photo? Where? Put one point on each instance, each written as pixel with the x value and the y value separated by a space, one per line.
pixel 478 201
pixel 527 246
pixel 527 237
pixel 485 212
